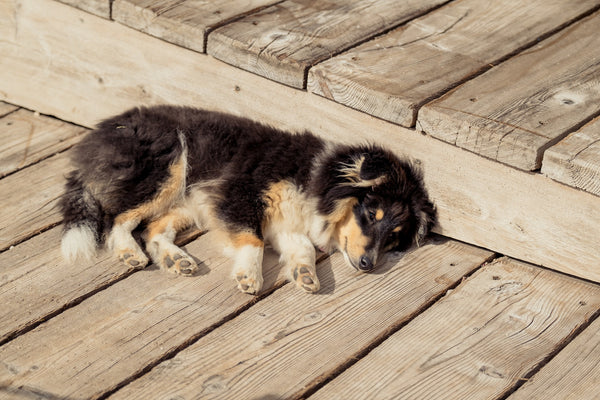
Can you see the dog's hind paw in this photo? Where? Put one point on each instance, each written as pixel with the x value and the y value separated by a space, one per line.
pixel 180 264
pixel 248 284
pixel 306 278
pixel 133 258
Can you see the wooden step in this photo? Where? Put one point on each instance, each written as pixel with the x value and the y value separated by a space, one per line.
pixel 575 160
pixel 392 76
pixel 515 111
pixel 185 23
pixel 283 41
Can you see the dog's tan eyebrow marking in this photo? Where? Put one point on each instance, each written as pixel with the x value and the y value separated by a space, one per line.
pixel 397 229
pixel 379 214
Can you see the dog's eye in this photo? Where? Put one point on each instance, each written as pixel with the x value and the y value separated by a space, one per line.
pixel 371 216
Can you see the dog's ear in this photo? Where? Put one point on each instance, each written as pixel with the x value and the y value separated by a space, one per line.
pixel 364 171
pixel 426 215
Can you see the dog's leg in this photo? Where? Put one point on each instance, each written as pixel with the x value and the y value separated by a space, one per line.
pixel 298 257
pixel 159 237
pixel 247 252
pixel 122 243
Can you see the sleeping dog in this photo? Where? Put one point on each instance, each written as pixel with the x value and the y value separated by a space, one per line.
pixel 171 167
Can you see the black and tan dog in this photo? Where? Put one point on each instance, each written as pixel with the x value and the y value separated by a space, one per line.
pixel 172 167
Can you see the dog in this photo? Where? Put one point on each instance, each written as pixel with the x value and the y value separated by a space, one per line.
pixel 172 167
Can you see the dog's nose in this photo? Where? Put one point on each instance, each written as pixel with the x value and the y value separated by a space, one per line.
pixel 365 263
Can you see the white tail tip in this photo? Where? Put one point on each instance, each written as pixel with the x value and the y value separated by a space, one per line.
pixel 78 242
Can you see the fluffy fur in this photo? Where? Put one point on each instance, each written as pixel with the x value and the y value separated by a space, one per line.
pixel 172 167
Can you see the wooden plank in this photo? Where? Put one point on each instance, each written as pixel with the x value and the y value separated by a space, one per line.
pixel 289 342
pixel 29 199
pixel 553 88
pixel 185 23
pixel 475 197
pixel 477 342
pixel 6 108
pixel 575 160
pixel 97 7
pixel 574 374
pixel 26 138
pixel 392 76
pixel 283 41
pixel 37 283
pixel 91 348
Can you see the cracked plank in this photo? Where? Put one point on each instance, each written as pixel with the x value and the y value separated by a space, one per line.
pixel 290 341
pixel 478 341
pixel 575 160
pixel 185 23
pixel 281 42
pixel 514 112
pixel 26 138
pixel 574 374
pixel 392 76
pixel 6 108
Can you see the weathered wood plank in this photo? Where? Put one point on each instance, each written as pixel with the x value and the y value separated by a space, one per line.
pixel 26 138
pixel 475 196
pixel 91 348
pixel 395 74
pixel 29 199
pixel 98 7
pixel 514 112
pixel 6 108
pixel 477 342
pixel 185 23
pixel 574 374
pixel 575 160
pixel 283 41
pixel 289 342
pixel 36 282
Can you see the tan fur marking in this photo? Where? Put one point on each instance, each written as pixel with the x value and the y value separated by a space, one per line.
pixel 171 191
pixel 273 198
pixel 351 237
pixel 245 239
pixel 397 229
pixel 175 219
pixel 343 207
pixel 379 214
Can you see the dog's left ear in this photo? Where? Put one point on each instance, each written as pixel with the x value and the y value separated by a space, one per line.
pixel 426 215
pixel 364 171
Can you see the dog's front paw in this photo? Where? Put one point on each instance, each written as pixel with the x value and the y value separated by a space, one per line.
pixel 179 263
pixel 133 258
pixel 248 283
pixel 306 278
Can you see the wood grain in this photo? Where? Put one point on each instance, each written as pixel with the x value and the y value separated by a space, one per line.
pixel 90 349
pixel 290 341
pixel 185 23
pixel 6 108
pixel 475 196
pixel 574 374
pixel 29 199
pixel 477 342
pixel 575 160
pixel 392 76
pixel 26 138
pixel 514 112
pixel 97 7
pixel 281 42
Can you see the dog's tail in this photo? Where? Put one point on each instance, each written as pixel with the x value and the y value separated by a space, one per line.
pixel 83 221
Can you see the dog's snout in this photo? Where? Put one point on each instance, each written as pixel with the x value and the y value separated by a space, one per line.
pixel 365 263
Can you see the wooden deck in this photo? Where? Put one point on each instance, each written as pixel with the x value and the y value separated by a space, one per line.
pixel 499 102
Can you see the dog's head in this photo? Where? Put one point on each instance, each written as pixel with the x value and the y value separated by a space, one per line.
pixel 377 203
